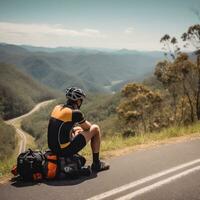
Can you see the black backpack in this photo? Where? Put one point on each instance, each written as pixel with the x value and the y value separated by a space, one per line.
pixel 35 165
pixel 60 167
pixel 30 165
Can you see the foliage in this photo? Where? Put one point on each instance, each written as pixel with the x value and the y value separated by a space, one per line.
pixel 7 140
pixel 18 92
pixel 140 108
pixel 98 107
pixel 170 46
pixel 153 83
pixel 101 109
pixel 182 77
pixel 92 71
pixel 192 38
pixel 181 81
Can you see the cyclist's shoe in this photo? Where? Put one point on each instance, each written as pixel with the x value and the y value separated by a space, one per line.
pixel 100 166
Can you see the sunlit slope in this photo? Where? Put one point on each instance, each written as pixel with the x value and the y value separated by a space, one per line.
pixel 19 92
pixel 91 70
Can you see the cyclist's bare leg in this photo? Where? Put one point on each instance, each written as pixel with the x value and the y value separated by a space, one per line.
pixel 95 136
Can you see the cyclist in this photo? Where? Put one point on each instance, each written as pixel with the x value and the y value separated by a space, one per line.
pixel 69 132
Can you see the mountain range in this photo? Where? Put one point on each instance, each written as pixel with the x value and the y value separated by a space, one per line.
pixel 95 70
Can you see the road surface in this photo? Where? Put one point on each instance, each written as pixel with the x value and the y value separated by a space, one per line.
pixel 16 122
pixel 169 171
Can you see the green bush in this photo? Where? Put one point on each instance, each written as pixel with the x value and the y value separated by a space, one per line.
pixel 7 140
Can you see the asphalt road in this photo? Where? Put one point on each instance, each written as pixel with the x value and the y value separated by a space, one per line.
pixel 16 122
pixel 170 171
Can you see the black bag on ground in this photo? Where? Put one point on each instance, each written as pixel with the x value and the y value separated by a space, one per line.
pixel 72 167
pixel 60 168
pixel 35 165
pixel 30 165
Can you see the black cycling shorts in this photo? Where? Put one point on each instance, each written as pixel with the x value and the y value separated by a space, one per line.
pixel 74 147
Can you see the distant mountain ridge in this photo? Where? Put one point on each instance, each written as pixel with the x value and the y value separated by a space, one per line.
pixel 92 69
pixel 90 50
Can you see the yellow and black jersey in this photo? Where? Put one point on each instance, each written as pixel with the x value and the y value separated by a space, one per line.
pixel 60 124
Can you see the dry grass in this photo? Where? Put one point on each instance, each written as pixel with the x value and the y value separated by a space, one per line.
pixel 118 145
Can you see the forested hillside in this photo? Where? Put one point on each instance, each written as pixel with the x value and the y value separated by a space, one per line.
pixel 95 71
pixel 18 92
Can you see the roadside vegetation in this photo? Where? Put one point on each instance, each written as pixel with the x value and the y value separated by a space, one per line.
pixel 7 140
pixel 118 145
pixel 6 165
pixel 8 143
pixel 176 100
pixel 19 93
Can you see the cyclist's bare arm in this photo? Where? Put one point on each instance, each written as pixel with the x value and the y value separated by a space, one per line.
pixel 85 126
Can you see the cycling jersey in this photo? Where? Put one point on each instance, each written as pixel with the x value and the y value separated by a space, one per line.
pixel 61 123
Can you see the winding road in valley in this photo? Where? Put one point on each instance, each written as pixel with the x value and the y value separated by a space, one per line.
pixel 16 122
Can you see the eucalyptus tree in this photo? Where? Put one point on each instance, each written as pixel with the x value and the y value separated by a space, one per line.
pixel 192 39
pixel 140 108
pixel 180 79
pixel 170 46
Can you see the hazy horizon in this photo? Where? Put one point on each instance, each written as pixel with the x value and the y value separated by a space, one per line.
pixel 114 24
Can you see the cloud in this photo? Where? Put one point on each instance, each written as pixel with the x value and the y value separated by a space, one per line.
pixel 56 29
pixel 43 33
pixel 55 35
pixel 91 31
pixel 129 30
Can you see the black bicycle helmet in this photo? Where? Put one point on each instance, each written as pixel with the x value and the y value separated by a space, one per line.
pixel 75 93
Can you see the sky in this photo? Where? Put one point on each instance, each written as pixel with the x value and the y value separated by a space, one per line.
pixel 113 24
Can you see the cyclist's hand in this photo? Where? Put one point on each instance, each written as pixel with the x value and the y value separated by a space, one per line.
pixel 76 130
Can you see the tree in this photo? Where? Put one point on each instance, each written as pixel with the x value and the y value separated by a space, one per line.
pixel 170 46
pixel 180 78
pixel 163 72
pixel 192 38
pixel 140 108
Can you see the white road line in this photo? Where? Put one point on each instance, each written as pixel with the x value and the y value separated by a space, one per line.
pixel 158 184
pixel 141 181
